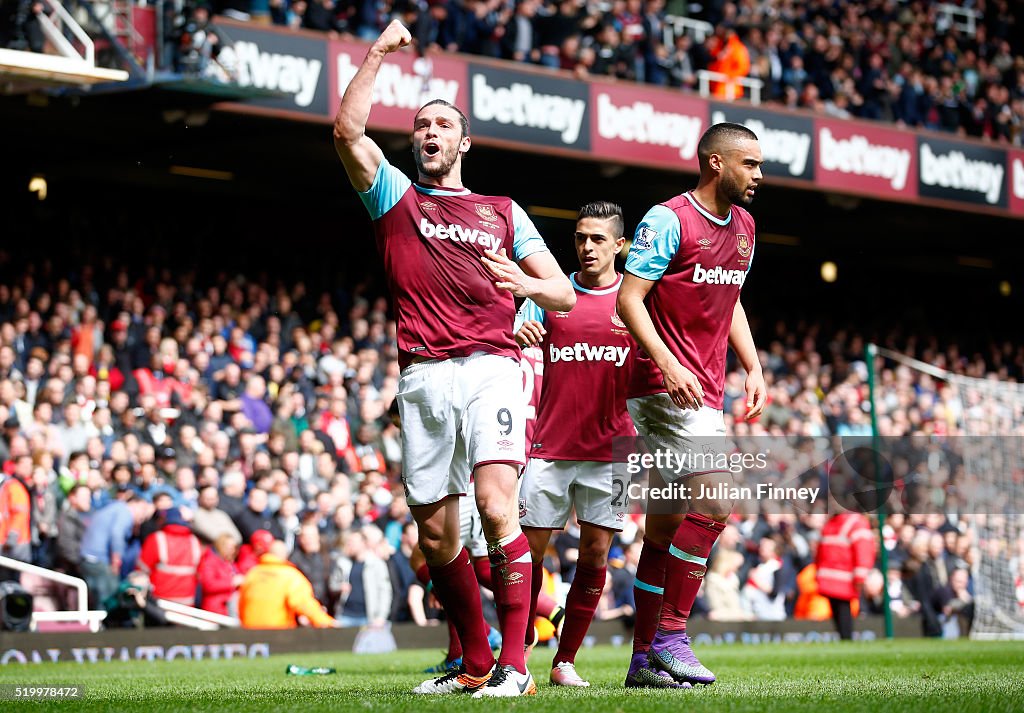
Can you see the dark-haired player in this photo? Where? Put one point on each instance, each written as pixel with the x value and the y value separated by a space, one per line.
pixel 680 299
pixel 446 253
pixel 587 359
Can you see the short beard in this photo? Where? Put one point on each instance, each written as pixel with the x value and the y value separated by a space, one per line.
pixel 447 161
pixel 736 194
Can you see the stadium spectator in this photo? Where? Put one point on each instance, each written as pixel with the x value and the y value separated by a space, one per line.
pixel 403 578
pixel 274 595
pixel 255 516
pixel 209 521
pixel 105 542
pixel 722 588
pixel 170 557
pixel 218 576
pixel 360 582
pixel 16 516
pixel 845 556
pixel 43 516
pixel 763 591
pixel 70 529
pixel 310 559
pixel 955 604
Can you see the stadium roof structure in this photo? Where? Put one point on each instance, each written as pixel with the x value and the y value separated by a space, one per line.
pixel 21 72
pixel 24 72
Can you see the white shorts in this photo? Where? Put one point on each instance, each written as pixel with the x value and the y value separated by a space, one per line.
pixel 696 438
pixel 458 414
pixel 551 488
pixel 471 526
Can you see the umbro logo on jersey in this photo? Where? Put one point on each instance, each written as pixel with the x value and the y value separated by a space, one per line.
pixel 505 444
pixel 705 243
pixel 695 573
pixel 512 577
pixel 583 351
pixel 718 275
pixel 428 205
pixel 459 234
pixel 593 591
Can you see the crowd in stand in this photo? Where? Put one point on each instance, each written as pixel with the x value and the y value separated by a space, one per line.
pixel 912 63
pixel 170 436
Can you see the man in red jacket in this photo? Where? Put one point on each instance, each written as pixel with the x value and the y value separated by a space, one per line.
pixel 846 554
pixel 170 556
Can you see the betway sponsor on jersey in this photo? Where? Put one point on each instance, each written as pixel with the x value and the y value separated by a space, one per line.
pixel 962 172
pixel 641 124
pixel 718 275
pixel 459 234
pixel 865 159
pixel 291 65
pixel 404 83
pixel 1017 182
pixel 535 109
pixel 785 140
pixel 584 351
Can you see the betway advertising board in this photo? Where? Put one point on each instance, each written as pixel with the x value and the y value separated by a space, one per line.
pixel 962 172
pixel 863 159
pixel 631 123
pixel 293 64
pixel 404 83
pixel 529 108
pixel 787 140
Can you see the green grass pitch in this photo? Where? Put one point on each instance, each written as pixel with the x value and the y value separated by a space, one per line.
pixel 896 676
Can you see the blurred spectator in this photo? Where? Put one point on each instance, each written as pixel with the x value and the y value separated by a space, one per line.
pixel 255 516
pixel 846 555
pixel 722 588
pixel 15 516
pixel 763 590
pixel 402 575
pixel 70 529
pixel 361 582
pixel 275 594
pixel 209 522
pixel 955 605
pixel 44 517
pixel 218 576
pixel 309 557
pixel 170 556
pixel 105 542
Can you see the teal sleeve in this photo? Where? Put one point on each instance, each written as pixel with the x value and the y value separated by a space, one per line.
pixel 526 240
pixel 655 243
pixel 389 185
pixel 527 312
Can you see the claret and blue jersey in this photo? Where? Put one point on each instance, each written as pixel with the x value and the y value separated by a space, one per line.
pixel 432 240
pixel 698 262
pixel 588 355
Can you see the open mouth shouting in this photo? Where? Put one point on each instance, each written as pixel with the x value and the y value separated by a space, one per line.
pixel 431 148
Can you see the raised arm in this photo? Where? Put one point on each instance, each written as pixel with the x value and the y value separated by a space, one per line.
pixel 358 152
